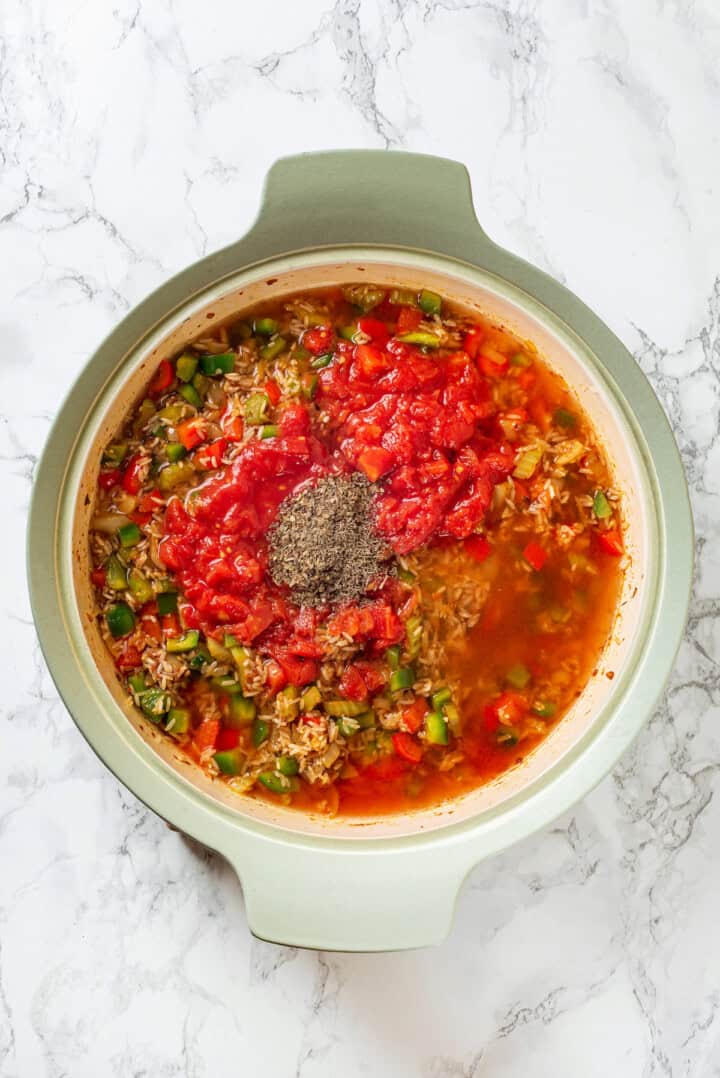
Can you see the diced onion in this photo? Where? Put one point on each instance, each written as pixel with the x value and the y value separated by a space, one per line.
pixel 109 523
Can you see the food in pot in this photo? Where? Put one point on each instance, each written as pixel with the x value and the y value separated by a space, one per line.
pixel 357 552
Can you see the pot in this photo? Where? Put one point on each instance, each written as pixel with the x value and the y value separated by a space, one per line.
pixel 387 883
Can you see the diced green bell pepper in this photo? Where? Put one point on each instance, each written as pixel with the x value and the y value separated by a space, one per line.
pixel 436 730
pixel 260 732
pixel 440 698
pixel 323 360
pixel 364 296
pixel 191 395
pixel 129 535
pixel 420 337
pixel 518 676
pixel 137 682
pixel 230 761
pixel 601 506
pixel 265 327
pixel 273 348
pixel 173 413
pixel 178 721
pixel 277 783
pixel 226 683
pixel 220 364
pixel 219 653
pixel 430 302
pixel 185 366
pixel 115 454
pixel 155 703
pixel 310 698
pixel 344 707
pixel 167 602
pixel 287 765
pixel 544 709
pixel 270 430
pixel 241 711
pixel 115 573
pixel 348 726
pixel 185 642
pixel 256 409
pixel 120 620
pixel 347 332
pixel 175 452
pixel 140 587
pixel 402 678
pixel 172 475
pixel 201 384
pixel 403 297
pixel 393 655
pixel 564 418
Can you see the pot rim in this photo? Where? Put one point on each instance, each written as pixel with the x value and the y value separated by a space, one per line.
pixel 142 770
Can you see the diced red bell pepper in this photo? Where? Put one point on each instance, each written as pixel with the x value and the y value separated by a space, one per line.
pixel 409 319
pixel 611 542
pixel 227 739
pixel 272 391
pixel 472 342
pixel 319 339
pixel 149 621
pixel 131 476
pixel 407 748
pixel 414 715
pixel 170 624
pixel 508 708
pixel 371 360
pixel 375 462
pixel 150 501
pixel 477 547
pixel 374 329
pixel 206 735
pixel 233 427
pixel 211 455
pixel 163 379
pixel 99 577
pixel 129 658
pixel 535 555
pixel 191 433
pixel 109 478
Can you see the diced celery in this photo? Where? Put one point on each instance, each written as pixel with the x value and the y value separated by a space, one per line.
pixel 527 462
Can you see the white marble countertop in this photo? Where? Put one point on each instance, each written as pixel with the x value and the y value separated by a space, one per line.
pixel 134 137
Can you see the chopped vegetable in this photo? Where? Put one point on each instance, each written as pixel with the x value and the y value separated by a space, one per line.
pixel 120 620
pixel 440 698
pixel 185 367
pixel 191 395
pixel 231 761
pixel 276 782
pixel 185 642
pixel 270 430
pixel 140 587
pixel 544 709
pixel 175 452
pixel 260 732
pixel 430 302
pixel 527 462
pixel 115 574
pixel 601 506
pixel 403 678
pixel 155 703
pixel 129 535
pixel 273 348
pixel 287 765
pixel 241 711
pixel 256 407
pixel 436 730
pixel 265 327
pixel 611 542
pixel 319 362
pixel 217 364
pixel 518 676
pixel 178 721
pixel 535 556
pixel 167 602
pixel 420 337
pixel 564 418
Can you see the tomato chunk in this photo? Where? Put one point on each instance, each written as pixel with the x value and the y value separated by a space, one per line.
pixel 535 555
pixel 611 542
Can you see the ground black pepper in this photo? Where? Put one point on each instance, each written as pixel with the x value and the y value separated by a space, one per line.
pixel 323 545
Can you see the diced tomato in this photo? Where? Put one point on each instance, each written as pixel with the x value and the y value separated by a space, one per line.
pixel 227 739
pixel 109 478
pixel 611 542
pixel 298 671
pixel 375 462
pixel 131 476
pixel 319 339
pixel 210 456
pixel 163 379
pixel 140 518
pixel 373 674
pixel 386 768
pixel 275 676
pixel 492 364
pixel 535 555
pixel 206 735
pixel 99 577
pixel 272 391
pixel 477 547
pixel 374 329
pixel 233 427
pixel 409 319
pixel 407 747
pixel 352 684
pixel 414 715
pixel 191 433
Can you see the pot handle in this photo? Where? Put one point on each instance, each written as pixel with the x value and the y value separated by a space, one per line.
pixel 329 897
pixel 384 197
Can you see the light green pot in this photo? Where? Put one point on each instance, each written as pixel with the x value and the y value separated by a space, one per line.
pixel 376 884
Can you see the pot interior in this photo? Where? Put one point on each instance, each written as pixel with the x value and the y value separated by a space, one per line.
pixel 559 347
